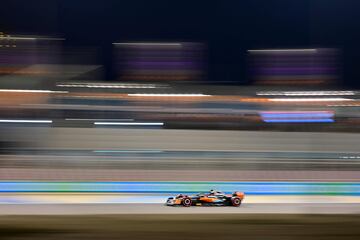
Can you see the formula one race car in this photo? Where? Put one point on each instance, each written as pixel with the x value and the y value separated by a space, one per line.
pixel 212 198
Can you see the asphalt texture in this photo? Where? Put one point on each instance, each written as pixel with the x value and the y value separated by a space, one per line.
pixel 249 208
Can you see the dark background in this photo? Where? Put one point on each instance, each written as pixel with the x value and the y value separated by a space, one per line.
pixel 228 27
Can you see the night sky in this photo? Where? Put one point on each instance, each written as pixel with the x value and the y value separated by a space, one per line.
pixel 228 27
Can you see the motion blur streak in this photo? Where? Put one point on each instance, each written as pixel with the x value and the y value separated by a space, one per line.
pixel 149 44
pixel 127 151
pixel 159 61
pixel 31 91
pixel 130 123
pixel 297 117
pixel 97 119
pixel 274 114
pixel 24 121
pixel 8 37
pixel 288 67
pixel 251 188
pixel 306 93
pixel 168 95
pixel 281 50
pixel 309 99
pixel 325 120
pixel 102 85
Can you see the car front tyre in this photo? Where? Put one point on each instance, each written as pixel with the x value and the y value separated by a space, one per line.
pixel 186 202
pixel 235 201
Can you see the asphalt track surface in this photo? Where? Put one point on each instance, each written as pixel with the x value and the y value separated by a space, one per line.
pixel 79 204
pixel 246 208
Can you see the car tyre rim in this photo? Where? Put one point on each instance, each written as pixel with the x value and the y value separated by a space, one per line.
pixel 236 201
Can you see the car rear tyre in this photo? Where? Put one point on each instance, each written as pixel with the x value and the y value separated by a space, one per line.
pixel 186 202
pixel 235 201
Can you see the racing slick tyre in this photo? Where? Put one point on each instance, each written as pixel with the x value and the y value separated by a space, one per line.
pixel 235 201
pixel 186 202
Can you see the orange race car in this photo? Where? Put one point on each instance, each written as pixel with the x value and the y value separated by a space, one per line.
pixel 212 198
